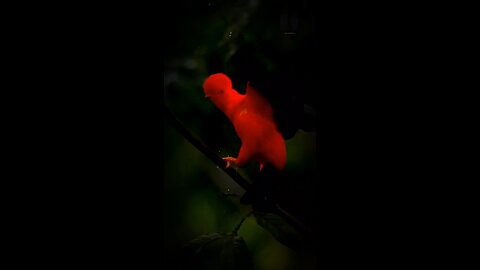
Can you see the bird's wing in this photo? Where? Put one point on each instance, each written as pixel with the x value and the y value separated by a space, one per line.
pixel 257 102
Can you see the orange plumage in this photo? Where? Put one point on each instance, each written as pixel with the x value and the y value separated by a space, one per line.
pixel 252 118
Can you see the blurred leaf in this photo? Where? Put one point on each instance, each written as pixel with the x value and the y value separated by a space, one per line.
pixel 235 254
pixel 217 251
pixel 280 230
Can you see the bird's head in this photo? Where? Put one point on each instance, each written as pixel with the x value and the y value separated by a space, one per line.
pixel 216 88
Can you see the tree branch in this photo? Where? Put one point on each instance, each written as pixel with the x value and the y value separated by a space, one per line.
pixel 205 150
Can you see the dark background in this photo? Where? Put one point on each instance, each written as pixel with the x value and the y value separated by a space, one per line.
pixel 365 70
pixel 92 135
pixel 372 74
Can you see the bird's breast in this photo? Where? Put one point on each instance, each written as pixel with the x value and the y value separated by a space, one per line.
pixel 243 112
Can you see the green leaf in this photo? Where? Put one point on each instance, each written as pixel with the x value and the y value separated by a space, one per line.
pixel 280 230
pixel 217 251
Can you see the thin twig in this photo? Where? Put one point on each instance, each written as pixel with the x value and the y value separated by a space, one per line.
pixel 241 222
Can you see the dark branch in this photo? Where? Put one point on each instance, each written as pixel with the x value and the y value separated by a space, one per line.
pixel 205 150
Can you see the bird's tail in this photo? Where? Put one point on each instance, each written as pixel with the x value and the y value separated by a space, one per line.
pixel 261 194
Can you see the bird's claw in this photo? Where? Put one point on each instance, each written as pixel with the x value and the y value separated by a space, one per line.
pixel 229 160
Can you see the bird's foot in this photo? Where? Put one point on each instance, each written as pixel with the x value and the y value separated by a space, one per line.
pixel 229 160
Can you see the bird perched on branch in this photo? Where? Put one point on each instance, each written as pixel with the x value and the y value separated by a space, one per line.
pixel 253 120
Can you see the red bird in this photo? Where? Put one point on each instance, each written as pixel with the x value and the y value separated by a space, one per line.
pixel 252 118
